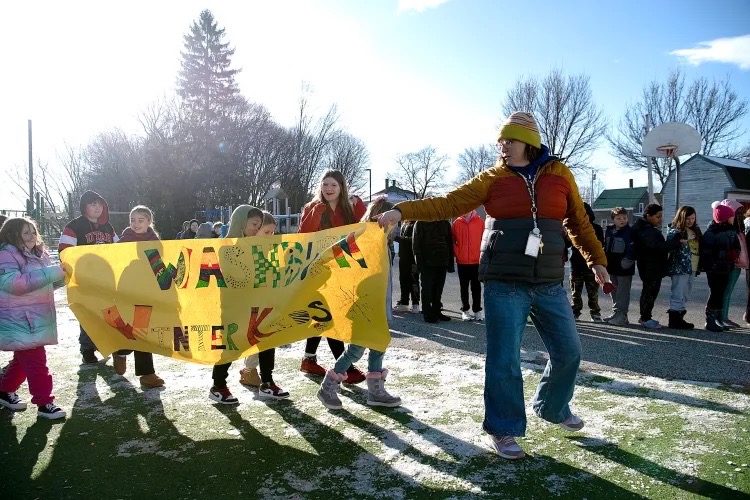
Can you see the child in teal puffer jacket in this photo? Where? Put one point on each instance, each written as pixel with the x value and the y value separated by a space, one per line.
pixel 27 316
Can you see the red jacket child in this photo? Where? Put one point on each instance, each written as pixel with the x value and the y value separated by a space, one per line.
pixel 467 238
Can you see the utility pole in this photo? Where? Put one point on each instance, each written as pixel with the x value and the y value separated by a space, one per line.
pixel 30 202
pixel 646 129
pixel 591 194
pixel 369 171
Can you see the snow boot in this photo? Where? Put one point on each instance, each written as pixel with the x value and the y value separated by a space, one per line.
pixel 376 393
pixel 328 392
pixel 689 326
pixel 676 321
pixel 711 324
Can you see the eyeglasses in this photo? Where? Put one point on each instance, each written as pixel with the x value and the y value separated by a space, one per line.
pixel 504 142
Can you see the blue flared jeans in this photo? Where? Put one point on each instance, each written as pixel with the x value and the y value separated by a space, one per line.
pixel 507 304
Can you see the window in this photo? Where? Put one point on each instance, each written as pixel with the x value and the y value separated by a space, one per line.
pixel 640 209
pixel 604 222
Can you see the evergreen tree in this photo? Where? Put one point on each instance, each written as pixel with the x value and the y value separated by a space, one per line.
pixel 206 82
pixel 212 106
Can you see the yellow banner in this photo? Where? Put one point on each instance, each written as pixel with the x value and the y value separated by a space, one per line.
pixel 217 300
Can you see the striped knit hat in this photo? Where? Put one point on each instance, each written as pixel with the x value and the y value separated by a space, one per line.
pixel 522 127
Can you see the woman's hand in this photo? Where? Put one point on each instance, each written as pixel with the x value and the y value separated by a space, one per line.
pixel 388 219
pixel 602 276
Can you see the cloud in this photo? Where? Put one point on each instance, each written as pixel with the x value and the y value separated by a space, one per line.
pixel 735 50
pixel 418 5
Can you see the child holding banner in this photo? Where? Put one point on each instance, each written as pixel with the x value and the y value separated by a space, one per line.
pixel 330 208
pixel 91 228
pixel 141 229
pixel 266 359
pixel 376 374
pixel 246 221
pixel 27 316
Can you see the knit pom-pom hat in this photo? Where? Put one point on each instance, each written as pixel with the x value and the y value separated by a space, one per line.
pixel 522 127
pixel 733 204
pixel 722 213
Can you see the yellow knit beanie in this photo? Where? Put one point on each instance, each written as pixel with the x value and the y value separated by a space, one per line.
pixel 522 127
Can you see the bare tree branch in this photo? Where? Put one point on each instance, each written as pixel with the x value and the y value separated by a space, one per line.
pixel 570 123
pixel 475 160
pixel 422 171
pixel 713 108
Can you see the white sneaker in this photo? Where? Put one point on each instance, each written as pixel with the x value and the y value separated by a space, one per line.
pixel 415 309
pixel 572 423
pixel 467 316
pixel 479 316
pixel 399 307
pixel 505 446
pixel 271 391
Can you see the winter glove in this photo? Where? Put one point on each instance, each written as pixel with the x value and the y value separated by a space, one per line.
pixel 626 263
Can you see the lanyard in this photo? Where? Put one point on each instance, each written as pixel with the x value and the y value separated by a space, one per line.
pixel 532 194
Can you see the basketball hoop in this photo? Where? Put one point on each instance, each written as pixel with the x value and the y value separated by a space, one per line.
pixel 663 142
pixel 667 150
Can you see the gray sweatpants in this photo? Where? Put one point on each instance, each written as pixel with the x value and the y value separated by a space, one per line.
pixel 621 295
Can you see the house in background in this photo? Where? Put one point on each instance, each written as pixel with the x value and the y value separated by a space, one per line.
pixel 633 199
pixel 703 180
pixel 395 193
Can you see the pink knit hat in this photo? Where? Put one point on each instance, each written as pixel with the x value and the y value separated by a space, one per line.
pixel 722 213
pixel 733 204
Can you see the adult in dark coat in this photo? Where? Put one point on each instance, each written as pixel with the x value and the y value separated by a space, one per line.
pixel 433 252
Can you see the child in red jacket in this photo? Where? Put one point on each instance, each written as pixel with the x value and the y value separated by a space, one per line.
pixel 467 239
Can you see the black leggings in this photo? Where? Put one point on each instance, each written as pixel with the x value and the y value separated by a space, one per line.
pixel 468 276
pixel 337 347
pixel 266 363
pixel 408 280
pixel 717 285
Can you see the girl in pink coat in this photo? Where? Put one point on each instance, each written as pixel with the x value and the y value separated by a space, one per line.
pixel 27 316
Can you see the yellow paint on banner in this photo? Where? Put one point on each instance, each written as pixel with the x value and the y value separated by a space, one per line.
pixel 217 300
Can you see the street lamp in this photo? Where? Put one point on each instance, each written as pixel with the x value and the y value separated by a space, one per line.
pixel 369 171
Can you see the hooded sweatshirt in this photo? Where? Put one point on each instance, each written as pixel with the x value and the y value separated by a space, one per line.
pixel 238 220
pixel 81 231
pixel 205 230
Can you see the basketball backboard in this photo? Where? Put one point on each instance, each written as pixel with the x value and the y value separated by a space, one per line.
pixel 671 139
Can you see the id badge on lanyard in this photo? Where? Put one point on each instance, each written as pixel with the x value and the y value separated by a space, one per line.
pixel 534 242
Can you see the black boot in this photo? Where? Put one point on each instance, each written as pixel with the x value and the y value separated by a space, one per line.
pixel 674 319
pixel 688 326
pixel 717 318
pixel 711 324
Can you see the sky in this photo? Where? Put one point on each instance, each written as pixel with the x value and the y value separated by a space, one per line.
pixel 404 74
